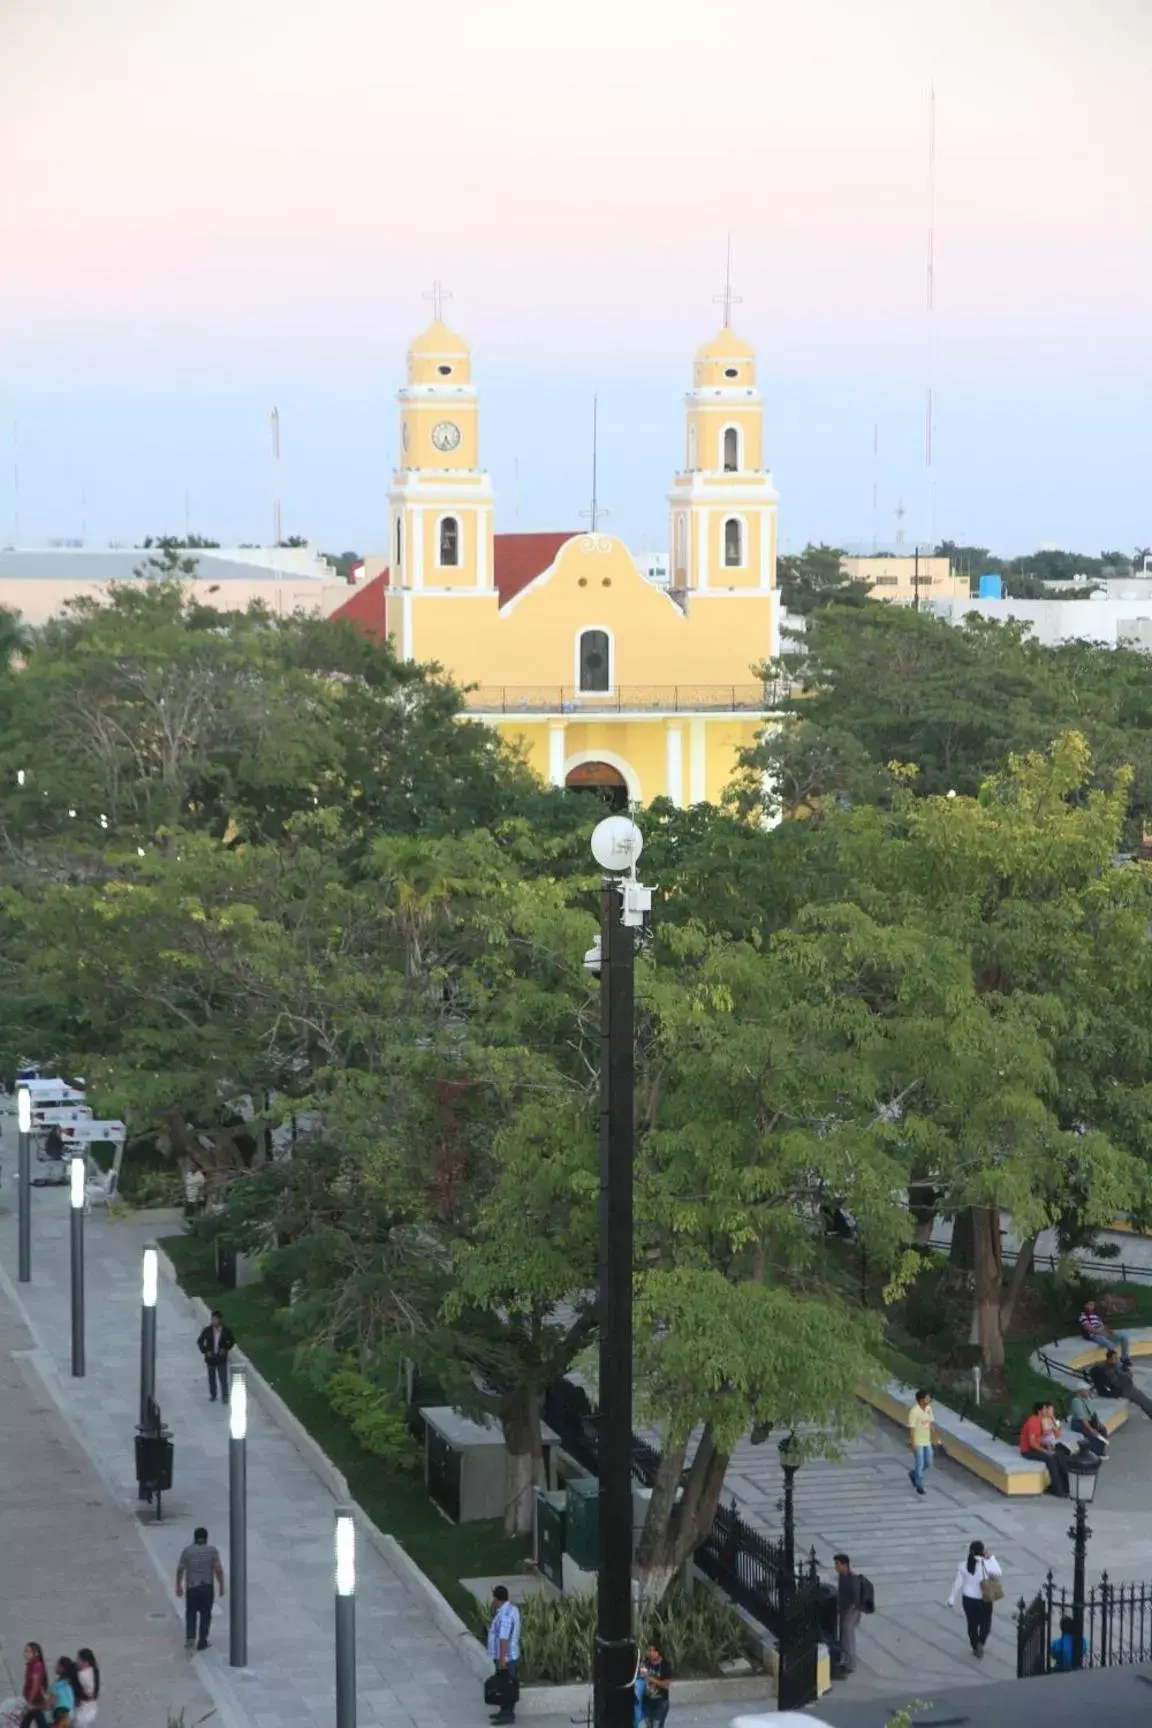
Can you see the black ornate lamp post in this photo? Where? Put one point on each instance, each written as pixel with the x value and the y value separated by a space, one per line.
pixel 1082 1476
pixel 790 1463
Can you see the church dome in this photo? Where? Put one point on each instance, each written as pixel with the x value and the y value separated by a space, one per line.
pixel 439 340
pixel 724 346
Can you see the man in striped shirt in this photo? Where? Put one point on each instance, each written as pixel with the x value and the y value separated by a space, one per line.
pixel 504 1649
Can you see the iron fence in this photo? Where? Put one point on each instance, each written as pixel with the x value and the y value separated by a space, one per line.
pixel 751 1567
pixel 624 699
pixel 1107 1270
pixel 1117 1627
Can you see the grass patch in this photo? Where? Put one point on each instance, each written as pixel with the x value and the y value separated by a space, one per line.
pixel 394 1500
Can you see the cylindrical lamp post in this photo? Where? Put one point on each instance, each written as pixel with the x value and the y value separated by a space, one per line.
pixel 345 1618
pixel 616 847
pixel 76 1181
pixel 24 1158
pixel 790 1463
pixel 1082 1476
pixel 149 1290
pixel 238 1518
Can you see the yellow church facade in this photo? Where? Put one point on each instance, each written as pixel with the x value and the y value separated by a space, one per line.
pixel 598 675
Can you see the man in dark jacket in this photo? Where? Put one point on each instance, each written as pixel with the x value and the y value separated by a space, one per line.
pixel 214 1344
pixel 1110 1381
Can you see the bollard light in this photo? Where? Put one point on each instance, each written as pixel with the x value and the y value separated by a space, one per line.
pixel 24 1177
pixel 238 1518
pixel 149 1294
pixel 77 1175
pixel 345 1554
pixel 238 1405
pixel 150 1277
pixel 24 1110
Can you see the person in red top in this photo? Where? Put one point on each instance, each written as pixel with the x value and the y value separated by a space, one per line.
pixel 35 1691
pixel 1036 1442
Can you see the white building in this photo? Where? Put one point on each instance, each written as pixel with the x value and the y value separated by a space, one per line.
pixel 1112 621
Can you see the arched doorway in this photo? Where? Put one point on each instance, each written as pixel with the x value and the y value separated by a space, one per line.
pixel 600 777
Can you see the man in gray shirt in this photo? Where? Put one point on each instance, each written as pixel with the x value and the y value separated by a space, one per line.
pixel 198 1571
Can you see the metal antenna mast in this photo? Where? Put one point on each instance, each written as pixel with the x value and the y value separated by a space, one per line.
pixel 727 299
pixel 596 511
pixel 930 305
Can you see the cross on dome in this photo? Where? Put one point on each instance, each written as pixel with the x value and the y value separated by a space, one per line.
pixel 437 294
pixel 728 299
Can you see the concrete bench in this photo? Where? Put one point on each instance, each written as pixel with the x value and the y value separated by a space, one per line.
pixel 965 1442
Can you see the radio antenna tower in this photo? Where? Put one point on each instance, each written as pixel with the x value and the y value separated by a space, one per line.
pixel 930 307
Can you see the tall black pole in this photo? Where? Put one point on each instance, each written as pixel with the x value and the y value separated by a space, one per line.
pixel 615 1664
pixel 238 1521
pixel 1079 1534
pixel 24 1160
pixel 149 1271
pixel 76 1186
pixel 789 1526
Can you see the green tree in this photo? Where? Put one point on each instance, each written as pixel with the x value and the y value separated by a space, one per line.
pixel 815 577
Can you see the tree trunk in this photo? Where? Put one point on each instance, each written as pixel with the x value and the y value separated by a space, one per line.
pixel 989 1270
pixel 677 1523
pixel 962 1253
pixel 524 1468
pixel 922 1205
pixel 1016 1283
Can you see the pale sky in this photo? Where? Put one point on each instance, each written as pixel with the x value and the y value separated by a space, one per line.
pixel 210 209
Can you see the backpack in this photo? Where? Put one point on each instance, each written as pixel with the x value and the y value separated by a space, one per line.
pixel 867 1595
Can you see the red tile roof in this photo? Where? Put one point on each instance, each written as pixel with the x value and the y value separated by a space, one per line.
pixel 519 559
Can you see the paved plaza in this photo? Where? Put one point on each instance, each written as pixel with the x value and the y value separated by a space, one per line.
pixel 100 1571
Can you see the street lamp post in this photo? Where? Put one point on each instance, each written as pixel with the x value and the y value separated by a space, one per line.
pixel 149 1290
pixel 790 1463
pixel 24 1161
pixel 77 1175
pixel 616 846
pixel 1082 1477
pixel 238 1518
pixel 345 1618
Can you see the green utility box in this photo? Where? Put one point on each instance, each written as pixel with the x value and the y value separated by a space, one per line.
pixel 551 1525
pixel 584 1523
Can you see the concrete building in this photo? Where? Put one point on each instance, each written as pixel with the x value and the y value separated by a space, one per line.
pixel 905 578
pixel 37 581
pixel 1115 623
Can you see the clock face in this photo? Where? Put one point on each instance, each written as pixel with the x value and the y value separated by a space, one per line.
pixel 445 435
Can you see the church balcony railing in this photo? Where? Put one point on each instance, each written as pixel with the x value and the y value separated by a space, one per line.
pixel 515 699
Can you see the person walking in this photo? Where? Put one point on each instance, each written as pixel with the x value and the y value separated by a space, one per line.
pixel 978 1587
pixel 657 1675
pixel 197 1575
pixel 504 1649
pixel 63 1690
pixel 214 1344
pixel 850 1606
pixel 35 1690
pixel 88 1688
pixel 921 1425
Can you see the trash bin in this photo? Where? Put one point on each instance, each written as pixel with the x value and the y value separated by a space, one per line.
pixel 154 1454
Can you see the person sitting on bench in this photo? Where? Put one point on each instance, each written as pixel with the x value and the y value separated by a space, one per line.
pixel 1110 1381
pixel 1094 1329
pixel 1034 1443
pixel 1083 1420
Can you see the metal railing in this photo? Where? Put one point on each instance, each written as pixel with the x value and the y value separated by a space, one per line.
pixel 624 699
pixel 1110 1271
pixel 750 1566
pixel 1117 1627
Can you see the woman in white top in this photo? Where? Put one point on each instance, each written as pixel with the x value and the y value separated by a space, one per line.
pixel 87 1691
pixel 977 1593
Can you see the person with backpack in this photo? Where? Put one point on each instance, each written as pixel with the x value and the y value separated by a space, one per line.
pixel 854 1596
pixel 979 1587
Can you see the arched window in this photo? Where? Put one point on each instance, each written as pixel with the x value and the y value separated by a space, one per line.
pixel 595 662
pixel 731 450
pixel 733 543
pixel 691 449
pixel 449 542
pixel 681 544
pixel 399 544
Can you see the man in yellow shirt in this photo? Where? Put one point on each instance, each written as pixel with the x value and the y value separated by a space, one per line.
pixel 921 1424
